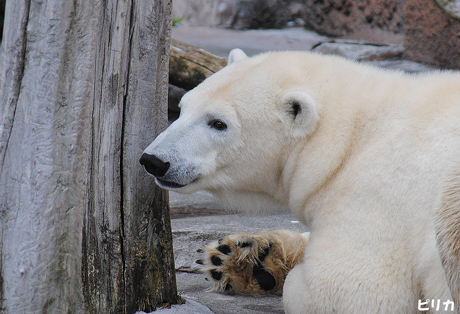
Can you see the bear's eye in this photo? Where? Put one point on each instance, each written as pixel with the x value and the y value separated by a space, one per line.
pixel 217 124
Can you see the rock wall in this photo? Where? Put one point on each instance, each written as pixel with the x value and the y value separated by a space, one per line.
pixel 428 28
pixel 238 14
pixel 431 34
pixel 330 17
pixel 342 17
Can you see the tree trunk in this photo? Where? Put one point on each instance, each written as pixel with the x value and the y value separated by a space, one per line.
pixel 83 90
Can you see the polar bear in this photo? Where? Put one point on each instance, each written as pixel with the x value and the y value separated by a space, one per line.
pixel 357 153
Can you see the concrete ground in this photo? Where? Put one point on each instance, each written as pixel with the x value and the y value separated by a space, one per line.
pixel 199 219
pixel 220 41
pixel 190 234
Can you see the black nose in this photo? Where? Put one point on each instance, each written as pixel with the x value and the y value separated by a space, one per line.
pixel 154 165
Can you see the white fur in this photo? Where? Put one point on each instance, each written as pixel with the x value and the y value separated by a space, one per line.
pixel 236 55
pixel 305 122
pixel 362 164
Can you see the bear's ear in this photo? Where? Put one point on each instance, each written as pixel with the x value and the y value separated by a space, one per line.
pixel 236 55
pixel 302 109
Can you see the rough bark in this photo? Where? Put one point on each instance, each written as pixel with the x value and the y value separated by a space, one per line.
pixel 83 87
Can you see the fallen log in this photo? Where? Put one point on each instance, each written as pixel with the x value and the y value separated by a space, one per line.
pixel 190 65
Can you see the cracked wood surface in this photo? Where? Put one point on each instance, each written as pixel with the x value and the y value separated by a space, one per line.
pixel 83 87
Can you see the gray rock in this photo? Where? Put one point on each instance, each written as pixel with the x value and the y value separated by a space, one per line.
pixel 385 56
pixel 404 65
pixel 452 7
pixel 361 51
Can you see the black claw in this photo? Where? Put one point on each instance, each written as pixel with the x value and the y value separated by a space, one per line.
pixel 245 244
pixel 216 261
pixel 199 261
pixel 217 275
pixel 224 249
pixel 228 287
pixel 264 253
pixel 200 250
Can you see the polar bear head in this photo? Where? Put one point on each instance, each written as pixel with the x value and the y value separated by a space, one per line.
pixel 235 130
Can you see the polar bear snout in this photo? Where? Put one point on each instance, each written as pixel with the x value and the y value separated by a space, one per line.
pixel 154 165
pixel 169 172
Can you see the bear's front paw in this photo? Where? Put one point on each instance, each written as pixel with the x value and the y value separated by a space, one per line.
pixel 253 263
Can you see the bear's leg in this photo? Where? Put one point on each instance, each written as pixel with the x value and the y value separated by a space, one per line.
pixel 308 290
pixel 295 292
pixel 253 263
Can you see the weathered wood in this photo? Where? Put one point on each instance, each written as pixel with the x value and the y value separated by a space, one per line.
pixel 189 65
pixel 45 132
pixel 83 88
pixel 150 272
